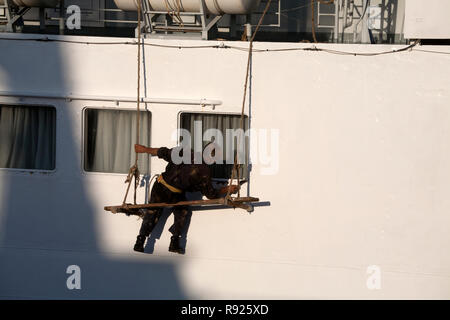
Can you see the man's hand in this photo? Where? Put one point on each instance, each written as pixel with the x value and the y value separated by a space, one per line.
pixel 234 188
pixel 138 148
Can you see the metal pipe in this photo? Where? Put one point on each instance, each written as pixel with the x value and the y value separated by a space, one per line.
pixel 351 9
pixel 355 29
pixel 215 7
pixel 337 5
pixel 62 13
pixel 349 6
pixel 41 19
pixel 36 3
pixel 344 20
pixel 201 102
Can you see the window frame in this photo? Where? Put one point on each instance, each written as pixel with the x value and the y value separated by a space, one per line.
pixel 247 155
pixel 40 105
pixel 83 136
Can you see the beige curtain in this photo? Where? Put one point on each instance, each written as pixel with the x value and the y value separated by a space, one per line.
pixel 110 136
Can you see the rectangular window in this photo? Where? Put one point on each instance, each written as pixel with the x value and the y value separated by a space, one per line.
pixel 109 139
pixel 27 137
pixel 226 125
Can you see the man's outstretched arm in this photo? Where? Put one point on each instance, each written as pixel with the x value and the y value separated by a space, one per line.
pixel 143 149
pixel 162 153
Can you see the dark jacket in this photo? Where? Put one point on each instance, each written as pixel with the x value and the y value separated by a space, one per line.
pixel 188 177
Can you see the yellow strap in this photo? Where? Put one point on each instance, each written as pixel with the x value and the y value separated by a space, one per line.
pixel 168 186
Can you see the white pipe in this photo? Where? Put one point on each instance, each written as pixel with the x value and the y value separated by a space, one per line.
pixel 344 23
pixel 363 14
pixel 217 7
pixel 200 102
pixel 36 3
pixel 337 5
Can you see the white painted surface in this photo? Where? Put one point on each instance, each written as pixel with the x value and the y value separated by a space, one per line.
pixel 364 176
pixel 427 19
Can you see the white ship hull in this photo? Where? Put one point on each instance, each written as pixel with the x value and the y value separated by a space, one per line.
pixel 363 180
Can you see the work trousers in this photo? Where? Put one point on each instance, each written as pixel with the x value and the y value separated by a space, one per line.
pixel 161 193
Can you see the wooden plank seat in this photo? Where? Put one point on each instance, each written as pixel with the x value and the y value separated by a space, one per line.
pixel 133 209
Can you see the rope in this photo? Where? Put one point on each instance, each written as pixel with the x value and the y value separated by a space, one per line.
pixel 174 13
pixel 221 46
pixel 236 167
pixel 134 170
pixel 179 6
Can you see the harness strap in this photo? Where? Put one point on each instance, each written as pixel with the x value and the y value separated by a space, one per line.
pixel 168 186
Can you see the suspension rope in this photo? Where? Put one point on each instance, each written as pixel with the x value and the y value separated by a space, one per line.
pixel 236 167
pixel 134 170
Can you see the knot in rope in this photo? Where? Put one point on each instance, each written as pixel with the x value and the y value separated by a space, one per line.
pixel 133 172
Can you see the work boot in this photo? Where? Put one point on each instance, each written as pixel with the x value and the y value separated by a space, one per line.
pixel 175 245
pixel 139 246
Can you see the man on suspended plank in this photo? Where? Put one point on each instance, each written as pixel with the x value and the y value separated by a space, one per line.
pixel 170 187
